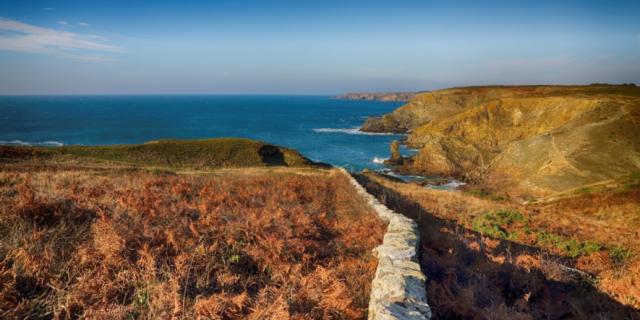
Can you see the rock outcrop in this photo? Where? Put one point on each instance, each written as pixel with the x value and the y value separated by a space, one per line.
pixel 398 288
pixel 396 156
pixel 538 139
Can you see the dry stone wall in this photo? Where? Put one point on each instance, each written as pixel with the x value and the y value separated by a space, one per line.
pixel 398 288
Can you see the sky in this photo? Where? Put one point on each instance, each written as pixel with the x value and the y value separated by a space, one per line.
pixel 311 47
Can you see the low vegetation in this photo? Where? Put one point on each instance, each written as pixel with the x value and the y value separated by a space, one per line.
pixel 498 224
pixel 489 257
pixel 88 239
pixel 201 154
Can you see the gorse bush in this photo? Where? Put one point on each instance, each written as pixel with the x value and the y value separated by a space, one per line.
pixel 511 224
pixel 78 244
pixel 569 246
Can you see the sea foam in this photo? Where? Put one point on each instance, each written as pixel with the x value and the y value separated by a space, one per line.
pixel 352 131
pixel 449 186
pixel 379 160
pixel 29 144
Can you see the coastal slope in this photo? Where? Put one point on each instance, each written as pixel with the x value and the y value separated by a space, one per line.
pixel 536 139
pixel 208 229
pixel 197 154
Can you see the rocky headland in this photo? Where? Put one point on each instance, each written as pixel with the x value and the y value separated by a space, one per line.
pixel 538 140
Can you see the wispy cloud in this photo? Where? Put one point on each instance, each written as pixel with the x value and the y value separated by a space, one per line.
pixel 90 58
pixel 83 24
pixel 62 22
pixel 22 37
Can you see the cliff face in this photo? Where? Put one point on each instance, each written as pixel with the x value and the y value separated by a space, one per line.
pixel 388 96
pixel 421 109
pixel 540 139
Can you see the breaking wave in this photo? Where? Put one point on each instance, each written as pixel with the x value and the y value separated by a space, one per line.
pixel 352 131
pixel 379 160
pixel 29 144
pixel 449 186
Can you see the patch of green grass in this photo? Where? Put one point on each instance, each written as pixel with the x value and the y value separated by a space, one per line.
pixel 496 224
pixel 141 297
pixel 569 246
pixel 620 255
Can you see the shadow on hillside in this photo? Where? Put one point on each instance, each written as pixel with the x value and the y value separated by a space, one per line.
pixel 271 155
pixel 468 279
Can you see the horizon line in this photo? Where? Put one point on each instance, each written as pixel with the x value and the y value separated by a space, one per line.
pixel 312 94
pixel 166 94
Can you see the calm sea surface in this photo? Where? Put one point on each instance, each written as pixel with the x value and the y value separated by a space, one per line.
pixel 322 128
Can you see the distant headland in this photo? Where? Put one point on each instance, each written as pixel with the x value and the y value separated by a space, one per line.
pixel 380 96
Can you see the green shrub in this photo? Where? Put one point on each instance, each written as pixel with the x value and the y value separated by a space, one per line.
pixel 496 224
pixel 569 246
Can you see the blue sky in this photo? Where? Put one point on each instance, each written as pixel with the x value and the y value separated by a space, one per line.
pixel 311 47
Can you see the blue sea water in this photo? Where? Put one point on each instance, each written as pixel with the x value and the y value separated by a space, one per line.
pixel 322 128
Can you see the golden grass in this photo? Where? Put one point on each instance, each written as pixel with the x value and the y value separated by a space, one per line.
pixel 114 243
pixel 492 258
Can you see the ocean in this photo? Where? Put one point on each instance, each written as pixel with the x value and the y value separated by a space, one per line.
pixel 320 127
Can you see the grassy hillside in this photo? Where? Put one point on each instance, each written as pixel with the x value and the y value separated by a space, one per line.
pixel 81 237
pixel 198 154
pixel 434 105
pixel 536 140
pixel 488 257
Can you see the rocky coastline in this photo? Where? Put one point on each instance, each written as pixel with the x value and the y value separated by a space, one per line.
pixel 538 140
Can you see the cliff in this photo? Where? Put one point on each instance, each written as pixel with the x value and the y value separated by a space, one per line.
pixel 536 139
pixel 388 96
